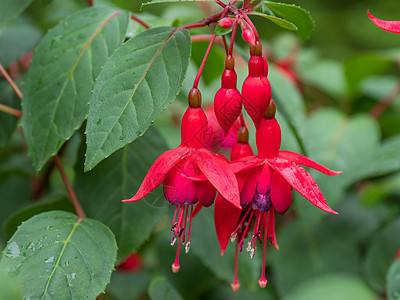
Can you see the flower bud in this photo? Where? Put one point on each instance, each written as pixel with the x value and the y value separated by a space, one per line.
pixel 226 23
pixel 248 36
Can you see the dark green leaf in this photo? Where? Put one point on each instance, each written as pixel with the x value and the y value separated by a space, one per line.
pixel 278 21
pixel 171 1
pixel 54 202
pixel 361 66
pixel 296 15
pixel 116 179
pixel 341 286
pixel 125 285
pixel 61 76
pixel 161 289
pixel 56 255
pixel 11 8
pixel 7 122
pixel 393 281
pixel 381 253
pixel 136 84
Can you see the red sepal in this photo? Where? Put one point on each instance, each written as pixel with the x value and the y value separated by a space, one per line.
pixel 281 193
pixel 305 161
pixel 301 181
pixel 226 217
pixel 391 26
pixel 158 170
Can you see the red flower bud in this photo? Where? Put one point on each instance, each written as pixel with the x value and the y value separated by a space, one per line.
pixel 248 36
pixel 226 23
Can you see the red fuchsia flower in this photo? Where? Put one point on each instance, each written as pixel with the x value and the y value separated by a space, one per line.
pixel 178 169
pixel 131 264
pixel 256 89
pixel 265 182
pixel 228 100
pixel 391 26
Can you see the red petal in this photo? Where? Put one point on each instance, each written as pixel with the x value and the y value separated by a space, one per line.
pixel 158 170
pixel 246 163
pixel 301 181
pixel 220 175
pixel 197 209
pixel 264 179
pixel 391 26
pixel 271 228
pixel 305 161
pixel 249 187
pixel 226 217
pixel 205 193
pixel 281 193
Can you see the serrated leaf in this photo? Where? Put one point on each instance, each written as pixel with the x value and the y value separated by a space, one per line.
pixel 119 177
pixel 278 21
pixel 11 8
pixel 136 84
pixel 294 14
pixel 56 255
pixel 53 202
pixel 171 1
pixel 161 289
pixel 393 281
pixel 61 75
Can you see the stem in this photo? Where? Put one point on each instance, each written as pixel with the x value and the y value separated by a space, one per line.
pixel 242 123
pixel 385 102
pixel 12 83
pixel 197 79
pixel 205 38
pixel 70 190
pixel 250 23
pixel 232 38
pixel 10 110
pixel 141 22
pixel 225 45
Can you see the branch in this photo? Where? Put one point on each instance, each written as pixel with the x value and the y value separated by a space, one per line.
pixel 70 190
pixel 385 102
pixel 10 110
pixel 12 83
pixel 141 22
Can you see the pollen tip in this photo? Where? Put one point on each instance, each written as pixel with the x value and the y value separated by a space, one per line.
pixel 235 286
pixel 175 268
pixel 262 283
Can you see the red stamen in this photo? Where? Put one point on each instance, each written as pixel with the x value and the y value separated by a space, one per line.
pixel 262 282
pixel 246 229
pixel 173 220
pixel 241 222
pixel 190 226
pixel 184 227
pixel 235 284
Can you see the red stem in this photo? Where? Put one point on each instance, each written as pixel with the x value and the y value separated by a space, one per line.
pixel 10 110
pixel 141 22
pixel 70 190
pixel 197 79
pixel 10 81
pixel 385 102
pixel 225 45
pixel 232 38
pixel 250 23
pixel 205 38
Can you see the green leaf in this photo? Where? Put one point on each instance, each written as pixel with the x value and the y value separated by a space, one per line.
pixel 381 253
pixel 171 1
pixel 7 121
pixel 285 24
pixel 121 287
pixel 294 14
pixel 219 31
pixel 119 177
pixel 11 8
pixel 161 289
pixel 361 66
pixel 8 288
pixel 342 286
pixel 53 202
pixel 61 75
pixel 393 281
pixel 56 255
pixel 136 84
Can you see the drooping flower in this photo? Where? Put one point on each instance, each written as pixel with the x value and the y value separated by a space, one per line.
pixel 265 182
pixel 179 169
pixel 391 26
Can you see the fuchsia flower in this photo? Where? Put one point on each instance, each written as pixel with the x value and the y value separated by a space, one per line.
pixel 179 169
pixel 265 182
pixel 391 26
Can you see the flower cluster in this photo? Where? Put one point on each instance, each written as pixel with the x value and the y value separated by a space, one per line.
pixel 251 188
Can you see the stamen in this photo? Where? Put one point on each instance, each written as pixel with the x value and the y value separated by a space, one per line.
pixel 233 237
pixel 173 220
pixel 252 251
pixel 235 284
pixel 246 229
pixel 248 246
pixel 190 226
pixel 262 282
pixel 184 227
pixel 241 221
